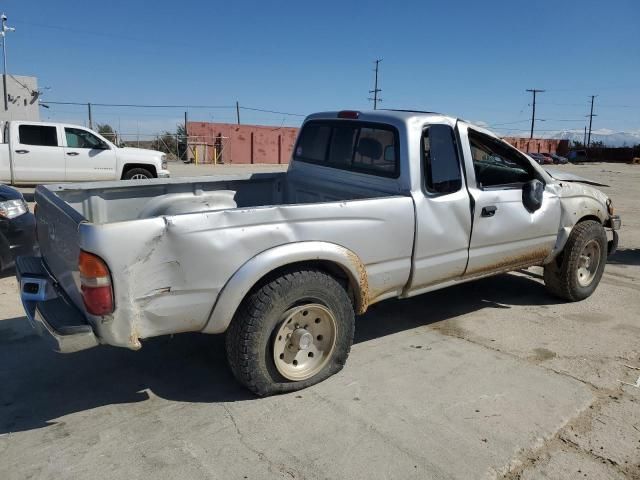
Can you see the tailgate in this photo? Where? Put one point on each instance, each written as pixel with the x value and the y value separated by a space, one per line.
pixel 58 237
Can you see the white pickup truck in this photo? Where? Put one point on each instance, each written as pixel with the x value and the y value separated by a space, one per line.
pixel 37 152
pixel 375 205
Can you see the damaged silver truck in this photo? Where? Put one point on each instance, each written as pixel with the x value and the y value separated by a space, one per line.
pixel 374 205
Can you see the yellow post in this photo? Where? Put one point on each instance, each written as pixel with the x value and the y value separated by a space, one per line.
pixel 196 154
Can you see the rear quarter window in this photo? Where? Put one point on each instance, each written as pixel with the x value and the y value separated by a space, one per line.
pixel 350 145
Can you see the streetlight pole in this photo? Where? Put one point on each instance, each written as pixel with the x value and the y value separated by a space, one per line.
pixel 3 32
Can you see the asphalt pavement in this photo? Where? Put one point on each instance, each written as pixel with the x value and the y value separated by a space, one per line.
pixel 489 379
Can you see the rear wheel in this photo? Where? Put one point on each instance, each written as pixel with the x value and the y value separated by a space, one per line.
pixel 137 174
pixel 576 273
pixel 290 333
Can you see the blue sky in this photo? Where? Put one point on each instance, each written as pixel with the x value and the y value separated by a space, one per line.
pixel 473 59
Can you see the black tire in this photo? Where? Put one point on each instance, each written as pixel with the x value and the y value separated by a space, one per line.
pixel 561 275
pixel 249 337
pixel 137 171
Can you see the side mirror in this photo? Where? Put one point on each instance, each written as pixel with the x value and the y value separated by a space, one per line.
pixel 532 195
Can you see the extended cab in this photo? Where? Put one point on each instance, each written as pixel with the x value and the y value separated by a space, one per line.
pixel 374 205
pixel 38 152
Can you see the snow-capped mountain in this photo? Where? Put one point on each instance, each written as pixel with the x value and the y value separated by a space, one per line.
pixel 608 137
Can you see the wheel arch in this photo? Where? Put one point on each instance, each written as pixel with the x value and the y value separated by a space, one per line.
pixel 589 217
pixel 565 232
pixel 334 259
pixel 147 166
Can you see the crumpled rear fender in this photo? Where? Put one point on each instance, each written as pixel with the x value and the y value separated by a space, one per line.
pixel 257 267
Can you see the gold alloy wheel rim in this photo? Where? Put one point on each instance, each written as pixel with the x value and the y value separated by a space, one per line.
pixel 588 263
pixel 305 341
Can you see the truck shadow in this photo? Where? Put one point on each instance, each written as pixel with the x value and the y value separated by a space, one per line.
pixel 625 256
pixel 39 386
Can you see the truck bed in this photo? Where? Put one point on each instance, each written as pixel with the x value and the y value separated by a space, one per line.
pixel 172 244
pixel 108 202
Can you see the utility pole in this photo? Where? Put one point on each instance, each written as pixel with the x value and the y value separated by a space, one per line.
pixel 584 139
pixel 238 112
pixel 591 115
pixel 533 113
pixel 3 33
pixel 376 90
pixel 90 116
pixel 186 136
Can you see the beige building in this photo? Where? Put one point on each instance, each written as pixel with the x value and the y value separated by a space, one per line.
pixel 22 98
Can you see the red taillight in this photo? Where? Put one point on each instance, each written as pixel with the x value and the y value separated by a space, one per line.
pixel 95 283
pixel 352 114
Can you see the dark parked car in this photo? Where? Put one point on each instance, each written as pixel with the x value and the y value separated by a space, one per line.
pixel 537 157
pixel 548 159
pixel 17 227
pixel 577 156
pixel 559 159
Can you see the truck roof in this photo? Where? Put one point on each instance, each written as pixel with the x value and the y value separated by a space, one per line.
pixel 385 114
pixel 47 124
pixel 397 116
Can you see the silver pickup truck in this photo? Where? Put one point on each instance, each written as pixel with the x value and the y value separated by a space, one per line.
pixel 374 205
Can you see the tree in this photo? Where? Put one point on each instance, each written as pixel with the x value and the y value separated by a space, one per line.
pixel 174 144
pixel 182 140
pixel 107 132
pixel 166 142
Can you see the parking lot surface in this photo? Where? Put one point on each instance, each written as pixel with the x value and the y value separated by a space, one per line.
pixel 489 379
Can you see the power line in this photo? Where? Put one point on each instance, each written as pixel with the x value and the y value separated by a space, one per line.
pixel 507 123
pixel 205 107
pixel 273 111
pixel 533 112
pixel 560 104
pixel 135 105
pixel 84 32
pixel 539 119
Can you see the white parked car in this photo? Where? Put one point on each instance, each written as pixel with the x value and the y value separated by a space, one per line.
pixel 38 152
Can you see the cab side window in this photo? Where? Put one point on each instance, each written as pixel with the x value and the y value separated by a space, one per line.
pixel 498 165
pixel 77 138
pixel 440 162
pixel 42 135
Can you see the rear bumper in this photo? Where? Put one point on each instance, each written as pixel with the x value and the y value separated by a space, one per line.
pixel 49 311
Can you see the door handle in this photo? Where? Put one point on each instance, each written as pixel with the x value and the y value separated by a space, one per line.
pixel 22 151
pixel 489 211
pixel 72 154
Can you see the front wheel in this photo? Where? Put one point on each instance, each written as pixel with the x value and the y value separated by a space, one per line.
pixel 577 272
pixel 138 174
pixel 291 333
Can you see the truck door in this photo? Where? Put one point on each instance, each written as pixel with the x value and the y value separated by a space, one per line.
pixel 36 152
pixel 505 234
pixel 443 211
pixel 88 157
